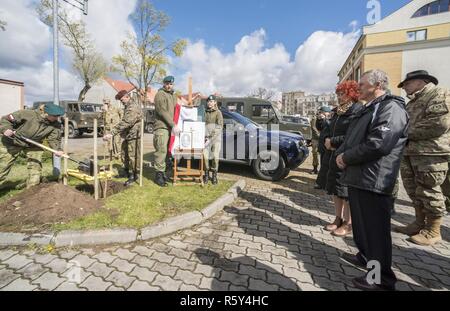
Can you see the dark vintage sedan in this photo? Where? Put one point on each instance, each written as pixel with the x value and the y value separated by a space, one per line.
pixel 271 154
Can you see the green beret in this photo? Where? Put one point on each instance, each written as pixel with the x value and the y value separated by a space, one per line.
pixel 169 79
pixel 53 110
pixel 325 109
pixel 211 97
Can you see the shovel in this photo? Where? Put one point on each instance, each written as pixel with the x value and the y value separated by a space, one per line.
pixel 83 166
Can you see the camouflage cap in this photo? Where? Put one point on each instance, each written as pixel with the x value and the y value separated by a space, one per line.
pixel 53 110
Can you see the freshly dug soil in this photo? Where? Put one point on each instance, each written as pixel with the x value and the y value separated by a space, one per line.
pixel 42 206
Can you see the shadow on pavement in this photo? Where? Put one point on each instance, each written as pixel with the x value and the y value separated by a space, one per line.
pixel 224 268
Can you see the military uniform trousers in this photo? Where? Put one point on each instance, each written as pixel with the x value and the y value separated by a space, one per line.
pixel 427 182
pixel 212 153
pixel 131 154
pixel 161 139
pixel 10 154
pixel 315 152
pixel 114 146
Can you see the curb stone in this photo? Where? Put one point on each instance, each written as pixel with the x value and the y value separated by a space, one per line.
pixel 123 236
pixel 19 239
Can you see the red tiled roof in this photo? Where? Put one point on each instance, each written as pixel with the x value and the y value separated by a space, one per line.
pixel 120 85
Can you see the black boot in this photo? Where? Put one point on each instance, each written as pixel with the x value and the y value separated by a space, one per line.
pixel 160 180
pixel 315 171
pixel 206 178
pixel 131 180
pixel 214 180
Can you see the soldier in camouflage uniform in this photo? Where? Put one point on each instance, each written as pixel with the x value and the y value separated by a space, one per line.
pixel 214 126
pixel 425 165
pixel 112 117
pixel 129 129
pixel 37 125
pixel 165 103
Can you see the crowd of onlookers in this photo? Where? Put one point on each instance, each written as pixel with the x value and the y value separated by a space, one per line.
pixel 362 144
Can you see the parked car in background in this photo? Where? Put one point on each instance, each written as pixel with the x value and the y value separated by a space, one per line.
pixel 263 112
pixel 293 119
pixel 81 116
pixel 240 135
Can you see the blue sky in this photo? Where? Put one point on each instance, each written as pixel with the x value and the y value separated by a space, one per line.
pixel 236 46
pixel 290 22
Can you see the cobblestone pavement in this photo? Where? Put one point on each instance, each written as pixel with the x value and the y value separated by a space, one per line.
pixel 269 239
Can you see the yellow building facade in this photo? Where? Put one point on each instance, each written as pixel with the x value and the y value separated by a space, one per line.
pixel 415 37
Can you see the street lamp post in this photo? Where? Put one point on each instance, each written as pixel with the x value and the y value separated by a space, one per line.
pixel 84 9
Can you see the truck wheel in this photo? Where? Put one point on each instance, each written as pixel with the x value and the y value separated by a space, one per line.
pixel 73 133
pixel 269 166
pixel 149 128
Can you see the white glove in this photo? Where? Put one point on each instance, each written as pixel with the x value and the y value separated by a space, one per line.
pixel 176 130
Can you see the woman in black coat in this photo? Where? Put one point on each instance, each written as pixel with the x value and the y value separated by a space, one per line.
pixel 348 96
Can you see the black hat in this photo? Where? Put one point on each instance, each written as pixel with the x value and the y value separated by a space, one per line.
pixel 419 75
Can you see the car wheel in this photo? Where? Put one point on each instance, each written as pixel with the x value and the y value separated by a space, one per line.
pixel 269 166
pixel 286 173
pixel 73 133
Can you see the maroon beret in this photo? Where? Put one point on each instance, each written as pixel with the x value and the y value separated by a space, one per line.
pixel 121 94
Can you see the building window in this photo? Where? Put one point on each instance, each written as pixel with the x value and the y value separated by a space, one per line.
pixel 418 35
pixel 435 7
pixel 358 74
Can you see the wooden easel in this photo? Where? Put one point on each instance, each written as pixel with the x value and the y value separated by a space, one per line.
pixel 190 175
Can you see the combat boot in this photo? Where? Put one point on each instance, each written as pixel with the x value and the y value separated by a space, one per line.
pixel 432 232
pixel 416 226
pixel 214 180
pixel 206 178
pixel 159 179
pixel 315 171
pixel 131 180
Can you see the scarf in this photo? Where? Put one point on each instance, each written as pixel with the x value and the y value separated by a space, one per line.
pixel 342 109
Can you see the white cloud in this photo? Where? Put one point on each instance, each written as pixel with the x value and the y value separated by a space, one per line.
pixel 26 53
pixel 39 82
pixel 313 68
pixel 26 40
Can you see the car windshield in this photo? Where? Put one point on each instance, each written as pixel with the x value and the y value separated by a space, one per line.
pixel 88 108
pixel 247 123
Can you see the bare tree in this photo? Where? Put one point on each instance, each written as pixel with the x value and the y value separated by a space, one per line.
pixel 263 94
pixel 3 25
pixel 144 54
pixel 88 64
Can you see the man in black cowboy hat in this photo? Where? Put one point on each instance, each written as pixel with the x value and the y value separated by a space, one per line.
pixel 425 166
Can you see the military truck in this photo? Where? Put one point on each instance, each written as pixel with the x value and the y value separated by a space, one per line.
pixel 81 116
pixel 262 112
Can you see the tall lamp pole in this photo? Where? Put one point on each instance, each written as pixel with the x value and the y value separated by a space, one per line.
pixel 84 8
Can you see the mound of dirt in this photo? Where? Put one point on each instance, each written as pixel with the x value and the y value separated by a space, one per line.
pixel 40 207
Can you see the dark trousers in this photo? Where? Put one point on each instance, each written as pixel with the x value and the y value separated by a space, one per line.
pixel 371 222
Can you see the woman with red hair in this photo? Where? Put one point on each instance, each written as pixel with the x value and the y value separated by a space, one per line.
pixel 348 96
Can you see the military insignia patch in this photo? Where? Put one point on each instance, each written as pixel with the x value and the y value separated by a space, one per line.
pixel 440 108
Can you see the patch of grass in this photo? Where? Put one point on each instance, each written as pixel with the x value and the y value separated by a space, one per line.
pixel 133 208
pixel 139 207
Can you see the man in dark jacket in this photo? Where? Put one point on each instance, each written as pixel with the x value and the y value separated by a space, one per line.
pixel 322 123
pixel 371 156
